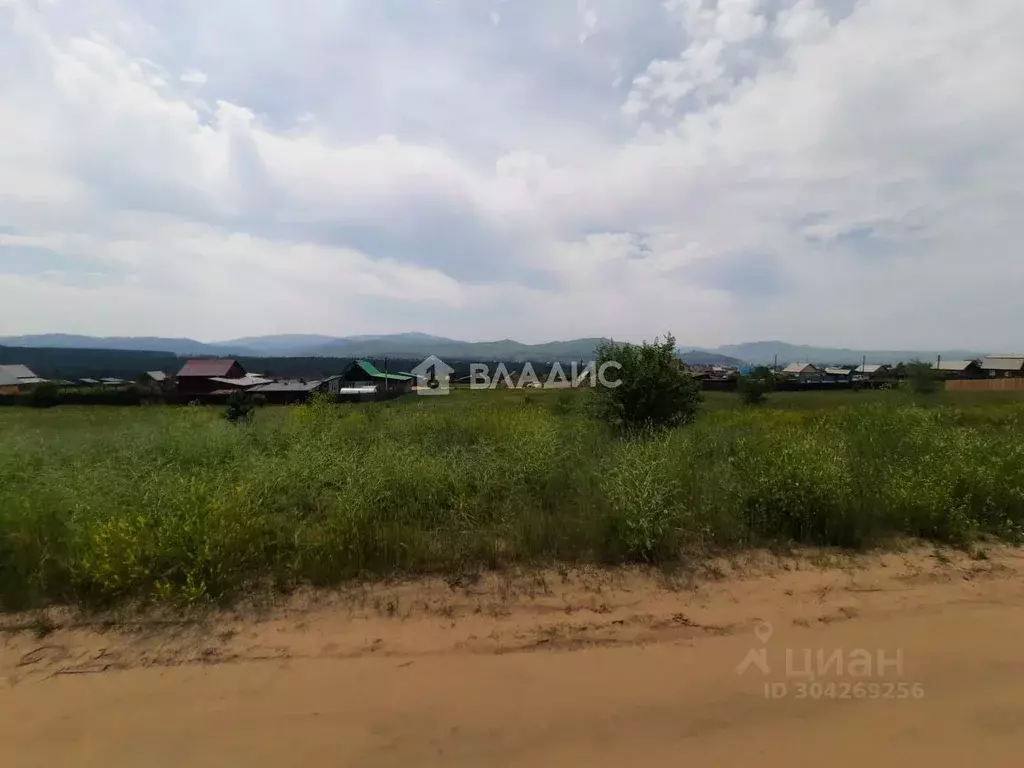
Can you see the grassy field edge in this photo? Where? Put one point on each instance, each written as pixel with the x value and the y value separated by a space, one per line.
pixel 175 505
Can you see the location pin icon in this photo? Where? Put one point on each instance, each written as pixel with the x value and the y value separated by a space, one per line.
pixel 763 632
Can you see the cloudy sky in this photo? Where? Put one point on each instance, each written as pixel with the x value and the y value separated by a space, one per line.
pixel 818 171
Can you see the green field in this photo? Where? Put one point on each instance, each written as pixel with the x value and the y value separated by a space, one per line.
pixel 101 505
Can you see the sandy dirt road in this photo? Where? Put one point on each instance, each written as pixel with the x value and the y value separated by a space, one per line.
pixel 571 669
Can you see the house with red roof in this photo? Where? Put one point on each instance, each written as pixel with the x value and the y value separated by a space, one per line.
pixel 207 376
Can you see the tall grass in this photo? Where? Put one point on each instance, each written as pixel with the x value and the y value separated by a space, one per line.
pixel 99 506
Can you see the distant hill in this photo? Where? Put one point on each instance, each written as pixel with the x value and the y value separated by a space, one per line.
pixel 413 336
pixel 765 352
pixel 405 345
pixel 284 344
pixel 126 343
pixel 702 357
pixel 416 346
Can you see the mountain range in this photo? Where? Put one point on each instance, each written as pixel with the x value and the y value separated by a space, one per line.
pixel 766 352
pixel 399 345
pixel 419 345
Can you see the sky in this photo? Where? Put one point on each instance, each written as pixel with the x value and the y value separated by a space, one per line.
pixel 832 172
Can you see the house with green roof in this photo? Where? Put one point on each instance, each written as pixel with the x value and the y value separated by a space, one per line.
pixel 363 373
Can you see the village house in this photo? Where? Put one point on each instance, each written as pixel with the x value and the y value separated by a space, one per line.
pixel 299 390
pixel 8 384
pixel 17 378
pixel 959 369
pixel 871 372
pixel 1003 366
pixel 802 371
pixel 288 390
pixel 216 377
pixel 289 385
pixel 336 385
pixel 698 371
pixel 362 374
pixel 155 378
pixel 838 374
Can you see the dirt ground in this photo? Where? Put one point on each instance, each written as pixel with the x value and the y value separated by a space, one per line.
pixel 572 668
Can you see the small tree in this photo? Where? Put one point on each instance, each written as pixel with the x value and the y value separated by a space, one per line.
pixel 649 389
pixel 922 379
pixel 240 408
pixel 754 387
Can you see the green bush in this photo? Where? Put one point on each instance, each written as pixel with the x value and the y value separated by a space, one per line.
pixel 240 408
pixel 754 387
pixel 653 389
pixel 45 395
pixel 921 378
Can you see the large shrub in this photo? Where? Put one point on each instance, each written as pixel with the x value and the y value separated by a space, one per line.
pixel 653 389
pixel 240 408
pixel 754 387
pixel 45 395
pixel 922 379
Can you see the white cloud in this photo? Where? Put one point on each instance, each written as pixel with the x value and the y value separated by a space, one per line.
pixel 738 20
pixel 804 21
pixel 771 171
pixel 194 77
pixel 588 19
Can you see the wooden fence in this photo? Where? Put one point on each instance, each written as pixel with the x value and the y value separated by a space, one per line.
pixel 985 385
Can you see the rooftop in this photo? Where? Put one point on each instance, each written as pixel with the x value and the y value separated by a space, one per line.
pixel 870 368
pixel 954 365
pixel 798 368
pixel 375 373
pixel 245 381
pixel 1002 363
pixel 287 386
pixel 18 371
pixel 208 368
